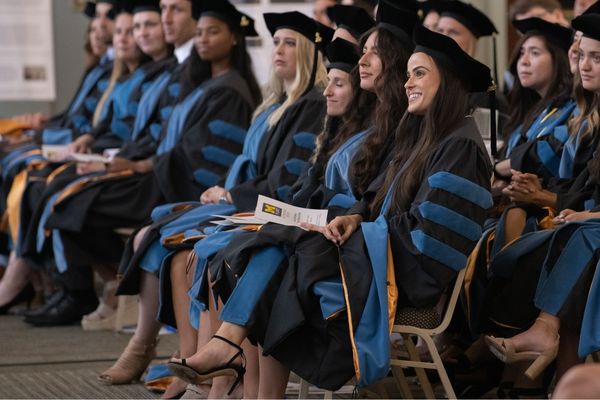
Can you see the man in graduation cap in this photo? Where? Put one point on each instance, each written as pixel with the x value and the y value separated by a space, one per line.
pixel 464 23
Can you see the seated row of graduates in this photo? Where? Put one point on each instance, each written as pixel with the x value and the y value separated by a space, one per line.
pixel 368 142
pixel 75 219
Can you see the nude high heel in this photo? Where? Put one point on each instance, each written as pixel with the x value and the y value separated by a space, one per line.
pixel 131 363
pixel 505 351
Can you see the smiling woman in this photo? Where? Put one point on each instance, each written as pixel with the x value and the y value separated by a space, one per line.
pixel 422 83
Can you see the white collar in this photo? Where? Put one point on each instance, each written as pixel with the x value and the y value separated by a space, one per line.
pixel 183 51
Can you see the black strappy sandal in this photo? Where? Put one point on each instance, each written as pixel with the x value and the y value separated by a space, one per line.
pixel 191 375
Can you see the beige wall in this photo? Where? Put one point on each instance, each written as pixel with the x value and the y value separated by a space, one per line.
pixel 69 32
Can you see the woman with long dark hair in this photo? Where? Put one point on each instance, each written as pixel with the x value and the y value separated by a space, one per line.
pixel 540 99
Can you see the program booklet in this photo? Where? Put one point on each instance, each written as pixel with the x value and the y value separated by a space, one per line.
pixel 285 214
pixel 278 212
pixel 60 153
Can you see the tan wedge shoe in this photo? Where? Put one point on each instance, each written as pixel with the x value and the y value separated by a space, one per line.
pixel 131 364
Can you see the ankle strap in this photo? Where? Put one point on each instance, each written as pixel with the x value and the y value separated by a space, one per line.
pixel 228 342
pixel 240 352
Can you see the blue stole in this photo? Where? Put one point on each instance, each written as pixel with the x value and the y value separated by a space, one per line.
pixel 543 125
pixel 177 121
pixel 371 337
pixel 338 168
pixel 567 159
pixel 148 103
pixel 57 244
pixel 65 135
pixel 120 99
pixel 244 166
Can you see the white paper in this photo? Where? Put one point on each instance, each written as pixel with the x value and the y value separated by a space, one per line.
pixel 285 214
pixel 55 152
pixel 88 158
pixel 60 153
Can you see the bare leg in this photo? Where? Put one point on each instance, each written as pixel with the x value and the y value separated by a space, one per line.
pixel 142 346
pixel 180 284
pixel 273 378
pixel 253 371
pixel 567 352
pixel 515 222
pixel 16 277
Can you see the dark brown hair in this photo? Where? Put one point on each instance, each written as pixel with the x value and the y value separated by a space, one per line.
pixel 526 104
pixel 417 136
pixel 391 105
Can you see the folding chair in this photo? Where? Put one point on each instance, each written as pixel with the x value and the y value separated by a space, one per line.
pixel 409 356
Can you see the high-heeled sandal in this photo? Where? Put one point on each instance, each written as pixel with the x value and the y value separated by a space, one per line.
pixel 191 375
pixel 505 351
pixel 131 363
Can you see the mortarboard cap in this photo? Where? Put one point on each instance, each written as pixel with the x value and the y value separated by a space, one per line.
pixel 399 21
pixel 588 24
pixel 556 33
pixel 89 10
pixel 123 6
pixel 431 5
pixel 472 18
pixel 342 55
pixel 475 75
pixel 314 31
pixel 146 5
pixel 227 12
pixel 355 19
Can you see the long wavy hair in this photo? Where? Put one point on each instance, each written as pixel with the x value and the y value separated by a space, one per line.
pixel 390 106
pixel 526 104
pixel 275 89
pixel 197 71
pixel 358 117
pixel 588 103
pixel 417 136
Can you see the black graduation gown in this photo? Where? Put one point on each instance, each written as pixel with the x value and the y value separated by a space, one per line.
pixel 38 188
pixel 508 306
pixel 287 320
pixel 87 217
pixel 284 151
pixel 79 120
pixel 284 142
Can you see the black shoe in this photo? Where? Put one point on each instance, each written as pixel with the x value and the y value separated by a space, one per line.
pixel 51 301
pixel 67 311
pixel 25 295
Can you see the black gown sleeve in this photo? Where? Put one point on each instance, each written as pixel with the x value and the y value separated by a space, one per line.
pixel 213 136
pixel 298 122
pixel 432 240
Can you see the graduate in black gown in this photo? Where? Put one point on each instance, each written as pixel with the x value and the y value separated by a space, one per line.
pixel 24 150
pixel 439 154
pixel 549 272
pixel 282 135
pixel 196 133
pixel 135 70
